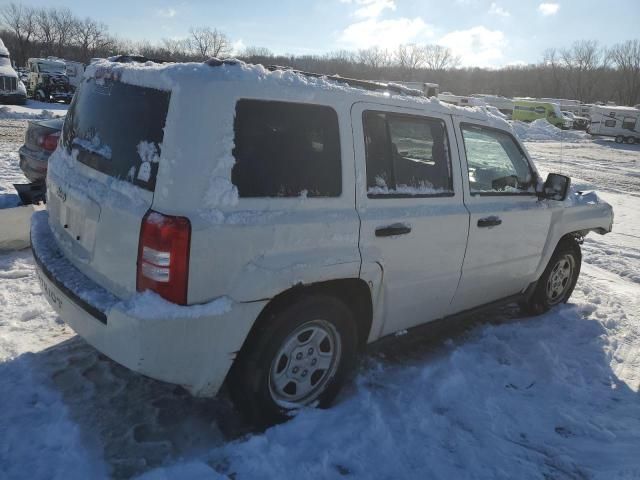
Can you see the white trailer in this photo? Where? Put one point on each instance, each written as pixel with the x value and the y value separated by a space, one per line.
pixel 504 104
pixel 461 100
pixel 622 123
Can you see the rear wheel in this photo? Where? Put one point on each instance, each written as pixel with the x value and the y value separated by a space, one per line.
pixel 299 356
pixel 558 280
pixel 619 139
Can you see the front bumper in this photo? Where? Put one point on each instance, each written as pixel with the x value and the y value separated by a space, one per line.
pixel 13 98
pixel 194 347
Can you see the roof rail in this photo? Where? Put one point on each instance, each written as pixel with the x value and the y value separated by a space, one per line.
pixel 354 82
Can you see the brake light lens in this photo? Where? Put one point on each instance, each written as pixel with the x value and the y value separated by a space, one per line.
pixel 49 142
pixel 163 256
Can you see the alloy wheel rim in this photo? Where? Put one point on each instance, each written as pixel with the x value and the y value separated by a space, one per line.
pixel 559 280
pixel 306 361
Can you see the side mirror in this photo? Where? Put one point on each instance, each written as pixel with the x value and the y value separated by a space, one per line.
pixel 556 187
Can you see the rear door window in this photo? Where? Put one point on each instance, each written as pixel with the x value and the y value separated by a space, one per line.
pixel 286 149
pixel 406 155
pixel 117 129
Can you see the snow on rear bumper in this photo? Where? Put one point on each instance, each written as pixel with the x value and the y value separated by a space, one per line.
pixel 192 346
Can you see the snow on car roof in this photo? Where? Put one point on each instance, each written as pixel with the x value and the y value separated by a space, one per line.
pixel 3 50
pixel 167 76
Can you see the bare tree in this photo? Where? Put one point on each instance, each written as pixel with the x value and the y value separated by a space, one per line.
pixel 45 30
pixel 437 57
pixel 176 49
pixel 65 26
pixel 626 57
pixel 374 57
pixel 410 56
pixel 250 52
pixel 206 42
pixel 581 62
pixel 90 36
pixel 20 20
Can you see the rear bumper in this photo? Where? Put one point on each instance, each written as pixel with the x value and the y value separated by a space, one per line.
pixel 192 346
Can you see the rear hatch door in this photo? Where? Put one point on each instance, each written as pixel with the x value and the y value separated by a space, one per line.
pixel 102 177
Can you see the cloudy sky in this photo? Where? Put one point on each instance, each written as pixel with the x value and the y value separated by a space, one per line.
pixel 481 32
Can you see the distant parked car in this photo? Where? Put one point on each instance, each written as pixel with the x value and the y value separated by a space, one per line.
pixel 40 140
pixel 48 81
pixel 579 123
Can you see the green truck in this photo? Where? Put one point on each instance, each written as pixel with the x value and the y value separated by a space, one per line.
pixel 530 110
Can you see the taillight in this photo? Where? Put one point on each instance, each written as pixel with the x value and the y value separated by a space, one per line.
pixel 163 256
pixel 49 142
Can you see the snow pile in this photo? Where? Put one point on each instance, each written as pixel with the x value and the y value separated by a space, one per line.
pixel 150 306
pixel 542 131
pixel 10 114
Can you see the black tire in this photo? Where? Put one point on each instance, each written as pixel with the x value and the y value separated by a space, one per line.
pixel 250 379
pixel 542 299
pixel 631 140
pixel 619 139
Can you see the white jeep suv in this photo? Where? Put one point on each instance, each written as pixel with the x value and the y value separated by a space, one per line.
pixel 223 221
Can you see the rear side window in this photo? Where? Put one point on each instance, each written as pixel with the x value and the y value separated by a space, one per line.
pixel 286 150
pixel 497 164
pixel 406 156
pixel 117 129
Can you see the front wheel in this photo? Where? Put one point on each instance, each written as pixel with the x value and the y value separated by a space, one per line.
pixel 631 140
pixel 299 356
pixel 558 280
pixel 619 139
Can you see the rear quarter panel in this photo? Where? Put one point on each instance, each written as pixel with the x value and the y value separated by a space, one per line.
pixel 251 248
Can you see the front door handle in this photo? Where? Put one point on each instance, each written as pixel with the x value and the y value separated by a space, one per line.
pixel 491 221
pixel 392 230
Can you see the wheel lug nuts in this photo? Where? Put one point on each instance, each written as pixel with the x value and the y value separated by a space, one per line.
pixel 310 351
pixel 314 361
pixel 299 356
pixel 295 369
pixel 304 373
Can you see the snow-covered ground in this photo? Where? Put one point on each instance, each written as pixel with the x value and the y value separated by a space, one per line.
pixel 552 397
pixel 33 110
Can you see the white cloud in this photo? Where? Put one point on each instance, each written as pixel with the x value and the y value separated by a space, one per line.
pixel 167 12
pixel 371 8
pixel 548 8
pixel 477 46
pixel 385 33
pixel 494 9
pixel 238 47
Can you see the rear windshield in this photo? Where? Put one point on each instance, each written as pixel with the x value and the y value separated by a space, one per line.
pixel 117 129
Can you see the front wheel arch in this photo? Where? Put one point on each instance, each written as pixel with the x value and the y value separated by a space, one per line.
pixel 534 302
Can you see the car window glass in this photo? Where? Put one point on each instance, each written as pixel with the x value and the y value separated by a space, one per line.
pixel 406 155
pixel 496 163
pixel 286 150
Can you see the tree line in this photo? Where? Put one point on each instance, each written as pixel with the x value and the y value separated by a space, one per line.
pixel 584 71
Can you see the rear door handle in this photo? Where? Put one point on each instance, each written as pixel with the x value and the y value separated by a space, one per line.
pixel 491 221
pixel 392 230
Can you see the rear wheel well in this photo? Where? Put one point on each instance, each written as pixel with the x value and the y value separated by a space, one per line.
pixel 353 292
